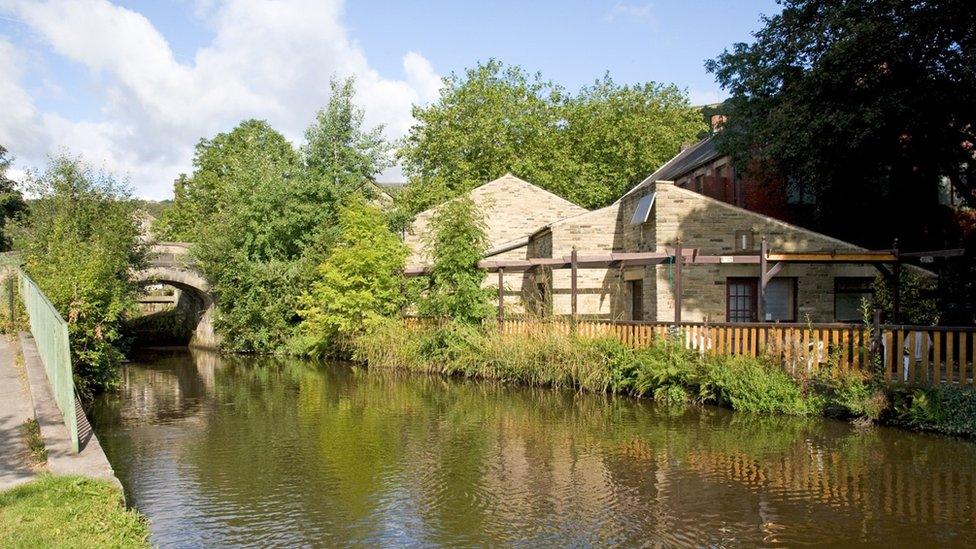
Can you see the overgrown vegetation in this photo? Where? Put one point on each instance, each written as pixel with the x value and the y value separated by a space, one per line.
pixel 666 372
pixel 56 511
pixel 12 202
pixel 264 215
pixel 359 282
pixel 80 244
pixel 457 242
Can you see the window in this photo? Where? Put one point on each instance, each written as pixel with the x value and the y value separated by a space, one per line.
pixel 849 293
pixel 643 210
pixel 800 192
pixel 636 300
pixel 742 300
pixel 781 300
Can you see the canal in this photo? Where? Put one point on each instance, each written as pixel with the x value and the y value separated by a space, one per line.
pixel 220 451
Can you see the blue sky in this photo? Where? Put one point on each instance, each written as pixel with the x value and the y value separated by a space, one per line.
pixel 132 86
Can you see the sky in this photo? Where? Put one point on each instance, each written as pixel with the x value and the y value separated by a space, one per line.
pixel 132 86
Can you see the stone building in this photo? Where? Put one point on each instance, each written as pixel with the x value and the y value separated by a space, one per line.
pixel 512 209
pixel 652 217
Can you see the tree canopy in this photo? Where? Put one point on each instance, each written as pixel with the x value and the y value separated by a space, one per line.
pixel 360 280
pixel 868 104
pixel 80 244
pixel 263 214
pixel 588 148
pixel 11 200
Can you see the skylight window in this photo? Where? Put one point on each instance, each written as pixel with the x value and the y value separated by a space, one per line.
pixel 643 210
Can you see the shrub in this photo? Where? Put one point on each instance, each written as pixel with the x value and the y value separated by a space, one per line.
pixel 80 244
pixel 753 385
pixel 851 394
pixel 457 241
pixel 946 409
pixel 359 282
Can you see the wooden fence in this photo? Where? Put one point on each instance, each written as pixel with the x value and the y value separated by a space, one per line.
pixel 922 355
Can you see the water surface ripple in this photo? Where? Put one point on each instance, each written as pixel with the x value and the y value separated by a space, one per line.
pixel 221 451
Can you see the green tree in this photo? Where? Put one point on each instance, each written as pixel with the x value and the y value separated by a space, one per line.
pixel 262 215
pixel 587 148
pixel 457 241
pixel 223 166
pixel 11 200
pixel 359 281
pixel 617 135
pixel 867 103
pixel 338 149
pixel 80 244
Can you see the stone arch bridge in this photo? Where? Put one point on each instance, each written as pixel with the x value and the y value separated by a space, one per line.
pixel 170 264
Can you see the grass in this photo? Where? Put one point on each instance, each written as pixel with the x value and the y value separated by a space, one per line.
pixel 665 372
pixel 57 511
pixel 35 444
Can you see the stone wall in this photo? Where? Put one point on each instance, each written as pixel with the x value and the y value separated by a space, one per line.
pixel 513 209
pixel 717 228
pixel 599 290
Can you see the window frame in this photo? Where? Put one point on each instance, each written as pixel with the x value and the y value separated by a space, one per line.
pixel 754 282
pixel 847 291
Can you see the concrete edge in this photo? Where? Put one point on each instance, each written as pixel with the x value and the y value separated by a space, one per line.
pixel 61 458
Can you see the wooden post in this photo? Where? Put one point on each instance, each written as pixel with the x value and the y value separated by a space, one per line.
pixel 678 262
pixel 896 291
pixel 501 296
pixel 572 288
pixel 763 252
pixel 874 350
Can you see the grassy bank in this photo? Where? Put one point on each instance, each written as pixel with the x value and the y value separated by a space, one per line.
pixel 54 511
pixel 664 372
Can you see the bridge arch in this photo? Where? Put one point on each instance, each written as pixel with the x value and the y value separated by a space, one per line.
pixel 170 264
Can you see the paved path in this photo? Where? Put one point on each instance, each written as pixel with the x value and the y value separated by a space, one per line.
pixel 61 459
pixel 15 409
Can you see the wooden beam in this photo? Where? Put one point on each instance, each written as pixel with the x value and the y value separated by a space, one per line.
pixel 834 257
pixel 761 306
pixel 501 295
pixel 954 252
pixel 679 260
pixel 724 259
pixel 573 266
pixel 896 292
pixel 773 271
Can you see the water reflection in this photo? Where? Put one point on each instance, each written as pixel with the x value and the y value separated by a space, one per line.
pixel 220 451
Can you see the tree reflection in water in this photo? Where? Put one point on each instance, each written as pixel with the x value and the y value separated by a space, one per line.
pixel 244 450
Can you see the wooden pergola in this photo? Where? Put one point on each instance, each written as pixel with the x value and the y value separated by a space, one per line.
pixel 770 264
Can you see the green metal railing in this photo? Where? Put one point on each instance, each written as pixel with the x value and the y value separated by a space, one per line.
pixel 51 336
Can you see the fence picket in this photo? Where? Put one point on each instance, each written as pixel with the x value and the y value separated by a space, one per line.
pixel 949 374
pixel 937 359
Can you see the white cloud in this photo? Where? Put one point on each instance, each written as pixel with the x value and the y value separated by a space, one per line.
pixel 270 60
pixel 624 10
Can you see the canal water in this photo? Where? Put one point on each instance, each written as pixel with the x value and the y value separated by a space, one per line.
pixel 221 451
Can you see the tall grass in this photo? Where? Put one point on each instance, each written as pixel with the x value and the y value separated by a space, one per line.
pixel 665 371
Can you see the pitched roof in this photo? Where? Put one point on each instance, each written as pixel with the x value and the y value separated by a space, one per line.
pixel 685 161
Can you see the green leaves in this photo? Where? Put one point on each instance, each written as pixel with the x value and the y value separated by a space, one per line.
pixel 869 102
pixel 359 282
pixel 457 240
pixel 80 244
pixel 263 215
pixel 588 148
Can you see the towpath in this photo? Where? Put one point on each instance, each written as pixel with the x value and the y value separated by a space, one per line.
pixel 15 409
